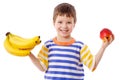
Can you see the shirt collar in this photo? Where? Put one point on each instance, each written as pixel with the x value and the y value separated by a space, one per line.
pixel 63 43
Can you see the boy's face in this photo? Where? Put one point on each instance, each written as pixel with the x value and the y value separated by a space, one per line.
pixel 64 25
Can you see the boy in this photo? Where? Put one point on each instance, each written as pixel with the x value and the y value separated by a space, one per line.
pixel 63 57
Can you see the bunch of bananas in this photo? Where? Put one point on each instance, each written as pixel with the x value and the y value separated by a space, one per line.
pixel 19 46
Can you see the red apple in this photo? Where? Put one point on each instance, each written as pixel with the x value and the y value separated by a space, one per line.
pixel 106 33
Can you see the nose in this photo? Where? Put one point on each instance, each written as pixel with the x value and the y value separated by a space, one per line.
pixel 64 25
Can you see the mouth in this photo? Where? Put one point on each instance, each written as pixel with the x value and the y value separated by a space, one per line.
pixel 64 31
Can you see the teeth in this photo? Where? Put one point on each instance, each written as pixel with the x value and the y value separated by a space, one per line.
pixel 64 30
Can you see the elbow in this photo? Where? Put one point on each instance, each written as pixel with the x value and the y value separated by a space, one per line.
pixel 42 70
pixel 94 67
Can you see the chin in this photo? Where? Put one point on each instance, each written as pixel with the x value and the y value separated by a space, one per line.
pixel 66 36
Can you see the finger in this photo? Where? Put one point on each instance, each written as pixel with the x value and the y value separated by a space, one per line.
pixel 111 39
pixel 105 39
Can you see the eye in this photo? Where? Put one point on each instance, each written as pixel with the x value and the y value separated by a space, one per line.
pixel 69 22
pixel 60 22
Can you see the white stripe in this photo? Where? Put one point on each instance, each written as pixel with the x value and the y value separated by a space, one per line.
pixel 66 65
pixel 43 57
pixel 65 52
pixel 44 51
pixel 78 43
pixel 65 47
pixel 93 64
pixel 49 42
pixel 86 59
pixel 82 54
pixel 63 64
pixel 43 65
pixel 64 58
pixel 66 70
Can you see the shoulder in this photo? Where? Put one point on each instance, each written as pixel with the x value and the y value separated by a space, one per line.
pixel 48 43
pixel 81 44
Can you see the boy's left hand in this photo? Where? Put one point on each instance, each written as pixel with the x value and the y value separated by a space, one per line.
pixel 107 42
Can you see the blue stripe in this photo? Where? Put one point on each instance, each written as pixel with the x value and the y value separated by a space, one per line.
pixel 76 46
pixel 64 55
pixel 79 42
pixel 65 73
pixel 67 50
pixel 81 70
pixel 62 67
pixel 64 61
pixel 50 45
pixel 59 78
pixel 48 41
pixel 81 65
pixel 65 67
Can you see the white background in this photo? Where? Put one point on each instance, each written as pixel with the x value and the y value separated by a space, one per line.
pixel 28 18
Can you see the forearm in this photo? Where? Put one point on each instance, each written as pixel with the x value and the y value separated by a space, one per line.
pixel 36 62
pixel 98 56
pixel 100 53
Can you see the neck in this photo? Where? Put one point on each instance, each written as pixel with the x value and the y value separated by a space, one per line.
pixel 64 39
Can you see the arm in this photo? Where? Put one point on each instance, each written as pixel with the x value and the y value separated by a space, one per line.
pixel 36 62
pixel 99 55
pixel 90 60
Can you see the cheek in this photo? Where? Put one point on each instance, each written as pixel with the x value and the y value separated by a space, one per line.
pixel 56 27
pixel 71 27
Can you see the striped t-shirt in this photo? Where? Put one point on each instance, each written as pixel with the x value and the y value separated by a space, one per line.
pixel 64 60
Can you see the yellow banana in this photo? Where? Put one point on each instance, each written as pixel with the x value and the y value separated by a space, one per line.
pixel 23 43
pixel 14 51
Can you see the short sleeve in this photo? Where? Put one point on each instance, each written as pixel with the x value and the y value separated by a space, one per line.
pixel 87 58
pixel 43 57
